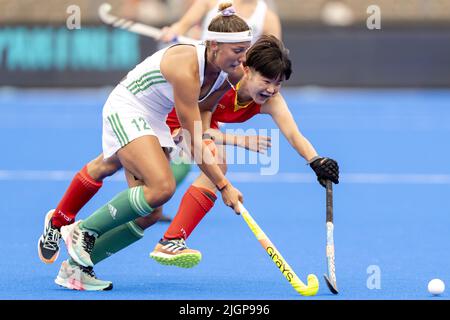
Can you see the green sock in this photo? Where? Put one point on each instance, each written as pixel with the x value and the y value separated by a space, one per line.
pixel 115 240
pixel 126 206
pixel 180 171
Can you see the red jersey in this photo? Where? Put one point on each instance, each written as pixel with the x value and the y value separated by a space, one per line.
pixel 227 111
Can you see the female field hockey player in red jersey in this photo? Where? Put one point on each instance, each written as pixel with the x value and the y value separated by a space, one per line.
pixel 267 65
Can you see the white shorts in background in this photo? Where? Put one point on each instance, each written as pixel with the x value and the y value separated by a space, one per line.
pixel 126 119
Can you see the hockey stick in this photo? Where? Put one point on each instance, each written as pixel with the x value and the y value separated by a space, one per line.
pixel 312 286
pixel 330 278
pixel 136 27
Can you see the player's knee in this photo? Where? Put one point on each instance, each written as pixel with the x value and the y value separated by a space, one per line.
pixel 167 188
pixel 109 169
pixel 160 191
pixel 99 169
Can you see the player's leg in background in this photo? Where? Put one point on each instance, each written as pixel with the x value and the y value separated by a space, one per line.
pixel 124 235
pixel 144 158
pixel 84 185
pixel 105 246
pixel 76 277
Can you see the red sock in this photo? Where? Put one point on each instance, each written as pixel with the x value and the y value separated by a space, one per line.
pixel 194 206
pixel 80 191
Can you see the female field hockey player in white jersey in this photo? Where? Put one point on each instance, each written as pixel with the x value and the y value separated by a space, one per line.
pixel 136 136
pixel 260 18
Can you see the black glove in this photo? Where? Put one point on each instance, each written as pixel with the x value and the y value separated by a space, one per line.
pixel 325 169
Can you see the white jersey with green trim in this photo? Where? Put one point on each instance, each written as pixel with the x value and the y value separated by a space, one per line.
pixel 153 91
pixel 255 21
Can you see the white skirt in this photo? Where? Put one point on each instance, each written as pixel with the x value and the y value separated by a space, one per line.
pixel 125 119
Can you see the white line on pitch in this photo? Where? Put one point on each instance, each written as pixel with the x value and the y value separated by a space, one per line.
pixel 247 177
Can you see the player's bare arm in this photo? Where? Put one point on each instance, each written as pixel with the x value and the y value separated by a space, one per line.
pixel 193 16
pixel 277 108
pixel 186 84
pixel 324 168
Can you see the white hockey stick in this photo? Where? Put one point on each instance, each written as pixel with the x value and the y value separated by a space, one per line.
pixel 136 27
pixel 330 277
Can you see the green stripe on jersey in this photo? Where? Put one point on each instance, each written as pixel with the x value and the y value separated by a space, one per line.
pixel 118 129
pixel 122 129
pixel 155 72
pixel 116 132
pixel 139 84
pixel 148 85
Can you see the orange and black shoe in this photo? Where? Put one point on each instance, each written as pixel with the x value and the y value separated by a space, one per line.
pixel 174 252
pixel 48 244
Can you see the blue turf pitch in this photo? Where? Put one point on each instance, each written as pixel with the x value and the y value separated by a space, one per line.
pixel 391 207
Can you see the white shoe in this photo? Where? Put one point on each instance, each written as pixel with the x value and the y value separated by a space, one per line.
pixel 76 277
pixel 79 243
